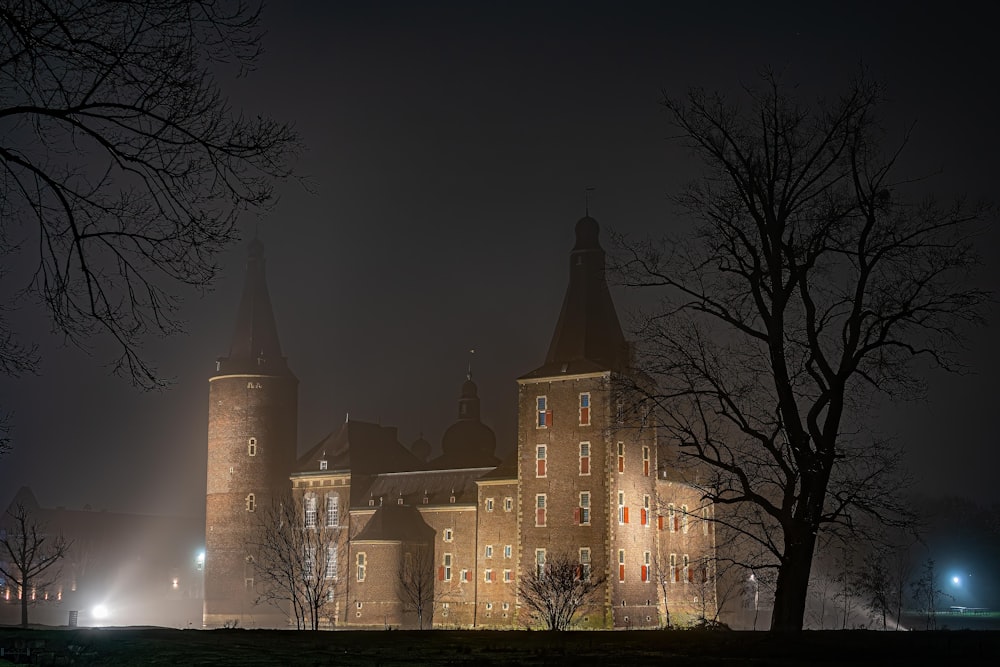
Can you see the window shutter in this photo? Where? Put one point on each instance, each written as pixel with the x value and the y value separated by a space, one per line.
pixel 621 573
pixel 540 517
pixel 642 516
pixel 585 465
pixel 677 573
pixel 691 574
pixel 659 521
pixel 441 573
pixel 645 573
pixel 625 517
pixel 541 467
pixel 577 514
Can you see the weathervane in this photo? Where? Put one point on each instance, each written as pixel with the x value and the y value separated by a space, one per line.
pixel 468 375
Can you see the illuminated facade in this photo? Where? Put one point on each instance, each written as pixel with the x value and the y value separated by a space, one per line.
pixel 588 478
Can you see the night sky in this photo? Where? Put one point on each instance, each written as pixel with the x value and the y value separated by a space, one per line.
pixel 447 150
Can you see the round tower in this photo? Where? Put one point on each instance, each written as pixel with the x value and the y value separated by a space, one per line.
pixel 252 442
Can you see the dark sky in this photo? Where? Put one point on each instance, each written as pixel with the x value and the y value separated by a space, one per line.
pixel 447 151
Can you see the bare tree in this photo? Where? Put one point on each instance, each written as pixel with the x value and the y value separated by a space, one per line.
pixel 298 561
pixel 29 557
pixel 927 592
pixel 664 573
pixel 556 591
pixel 123 165
pixel 810 285
pixel 415 586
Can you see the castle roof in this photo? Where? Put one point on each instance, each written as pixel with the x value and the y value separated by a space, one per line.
pixel 255 347
pixel 588 336
pixel 361 447
pixel 396 522
pixel 468 443
pixel 438 487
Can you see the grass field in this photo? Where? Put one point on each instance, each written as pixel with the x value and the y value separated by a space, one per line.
pixel 110 647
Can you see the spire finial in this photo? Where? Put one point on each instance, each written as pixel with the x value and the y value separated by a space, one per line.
pixel 468 375
pixel 586 200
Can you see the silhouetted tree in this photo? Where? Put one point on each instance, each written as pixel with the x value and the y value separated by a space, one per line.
pixel 927 592
pixel 123 166
pixel 557 590
pixel 415 586
pixel 810 285
pixel 298 561
pixel 29 557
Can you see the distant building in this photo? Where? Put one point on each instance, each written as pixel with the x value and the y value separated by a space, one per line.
pixel 588 478
pixel 121 568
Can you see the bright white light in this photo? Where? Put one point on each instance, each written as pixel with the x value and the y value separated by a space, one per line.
pixel 100 612
pixel 956 581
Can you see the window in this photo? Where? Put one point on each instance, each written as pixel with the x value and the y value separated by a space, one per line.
pixel 687 568
pixel 489 551
pixel 619 411
pixel 331 562
pixel 539 563
pixel 584 458
pixel 621 565
pixel 645 461
pixel 489 504
pixel 684 518
pixel 252 447
pixel 645 566
pixel 544 414
pixel 584 511
pixel 449 534
pixel 672 523
pixel 621 457
pixel 309 563
pixel 508 504
pixel 540 509
pixel 446 568
pixel 540 461
pixel 645 511
pixel 362 563
pixel 507 550
pixel 251 503
pixel 585 409
pixel 506 578
pixel 333 511
pixel 489 576
pixel 585 563
pixel 673 568
pixel 706 516
pixel 622 509
pixel 463 575
pixel 310 511
pixel 322 464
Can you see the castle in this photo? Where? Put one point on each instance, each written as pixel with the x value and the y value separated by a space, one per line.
pixel 589 480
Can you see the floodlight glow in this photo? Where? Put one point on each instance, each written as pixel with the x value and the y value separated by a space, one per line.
pixel 99 612
pixel 956 581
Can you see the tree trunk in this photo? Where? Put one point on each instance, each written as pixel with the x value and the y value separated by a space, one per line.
pixel 24 602
pixel 793 581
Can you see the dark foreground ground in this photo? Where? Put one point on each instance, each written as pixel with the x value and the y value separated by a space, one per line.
pixel 109 647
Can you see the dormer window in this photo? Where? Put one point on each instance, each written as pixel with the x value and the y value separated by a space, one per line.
pixel 322 464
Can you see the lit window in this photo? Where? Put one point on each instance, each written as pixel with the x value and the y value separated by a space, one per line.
pixel 489 504
pixel 539 563
pixel 507 550
pixel 540 509
pixel 645 511
pixel 584 458
pixel 331 561
pixel 684 518
pixel 310 511
pixel 322 464
pixel 622 510
pixel 489 551
pixel 448 534
pixel 252 447
pixel 585 409
pixel 333 511
pixel 672 520
pixel 251 503
pixel 544 414
pixel 362 562
pixel 585 507
pixel 508 504
pixel 540 461
pixel 621 565
pixel 621 457
pixel 645 565
pixel 645 461
pixel 309 563
pixel 585 563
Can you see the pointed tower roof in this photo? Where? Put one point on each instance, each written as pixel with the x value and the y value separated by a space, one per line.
pixel 588 337
pixel 255 347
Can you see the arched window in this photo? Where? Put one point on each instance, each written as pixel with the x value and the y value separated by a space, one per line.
pixel 251 503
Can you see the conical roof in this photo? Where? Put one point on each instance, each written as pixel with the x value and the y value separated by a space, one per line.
pixel 255 347
pixel 588 335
